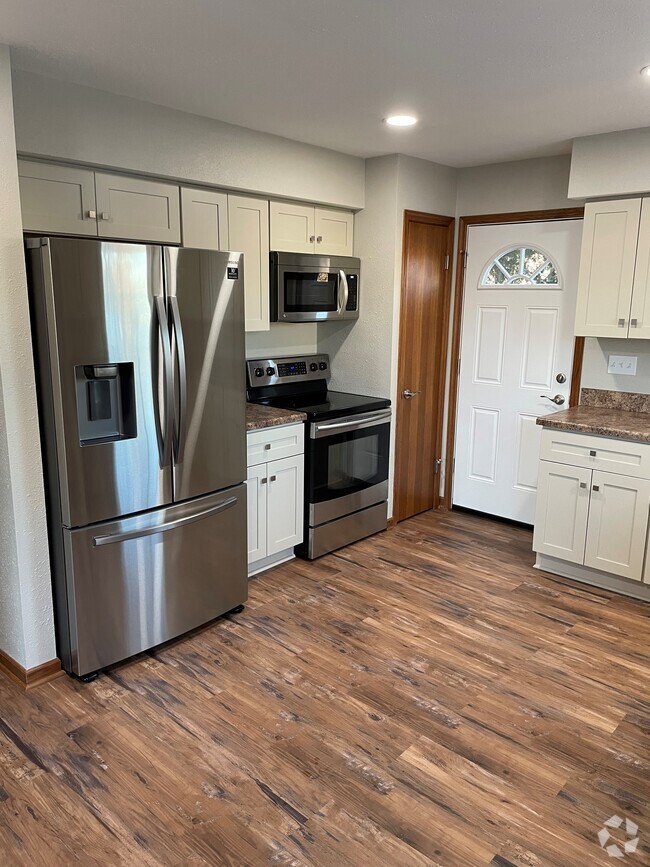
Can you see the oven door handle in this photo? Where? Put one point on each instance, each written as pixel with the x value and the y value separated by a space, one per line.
pixel 343 301
pixel 349 424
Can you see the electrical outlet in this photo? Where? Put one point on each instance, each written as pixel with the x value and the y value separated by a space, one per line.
pixel 622 365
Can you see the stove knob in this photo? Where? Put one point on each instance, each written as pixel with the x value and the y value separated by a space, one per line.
pixel 259 371
pixel 323 365
pixel 270 371
pixel 313 366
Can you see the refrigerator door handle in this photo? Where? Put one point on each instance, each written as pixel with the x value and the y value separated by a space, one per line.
pixel 139 533
pixel 165 436
pixel 180 433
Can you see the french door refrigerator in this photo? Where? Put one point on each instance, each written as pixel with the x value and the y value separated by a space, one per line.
pixel 140 369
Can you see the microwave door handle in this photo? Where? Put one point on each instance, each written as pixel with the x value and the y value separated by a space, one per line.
pixel 343 302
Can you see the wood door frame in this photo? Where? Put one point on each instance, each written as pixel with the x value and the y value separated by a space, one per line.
pixel 464 223
pixel 439 406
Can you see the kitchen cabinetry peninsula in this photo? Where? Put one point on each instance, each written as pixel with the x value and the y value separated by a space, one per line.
pixel 593 498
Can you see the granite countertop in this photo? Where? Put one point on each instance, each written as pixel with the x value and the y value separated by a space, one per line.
pixel 604 421
pixel 258 417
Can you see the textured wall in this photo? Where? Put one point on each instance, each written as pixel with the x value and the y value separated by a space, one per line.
pixel 70 122
pixel 26 622
pixel 613 164
pixel 283 338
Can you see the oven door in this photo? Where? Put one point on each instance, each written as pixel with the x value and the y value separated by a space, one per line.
pixel 306 294
pixel 347 465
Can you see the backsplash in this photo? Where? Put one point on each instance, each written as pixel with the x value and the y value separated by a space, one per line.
pixel 629 401
pixel 595 372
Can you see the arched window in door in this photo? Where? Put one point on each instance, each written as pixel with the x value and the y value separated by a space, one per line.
pixel 522 266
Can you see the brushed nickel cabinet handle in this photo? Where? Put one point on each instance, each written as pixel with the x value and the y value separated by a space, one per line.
pixel 312 238
pixel 583 484
pixel 621 323
pixel 633 323
pixel 592 453
pixel 596 488
pixel 91 215
pixel 319 238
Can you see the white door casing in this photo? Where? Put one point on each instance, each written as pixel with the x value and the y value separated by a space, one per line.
pixel 516 340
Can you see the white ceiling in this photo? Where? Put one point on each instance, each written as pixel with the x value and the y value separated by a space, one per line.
pixel 491 80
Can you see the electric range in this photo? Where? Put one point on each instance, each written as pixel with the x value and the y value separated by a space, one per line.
pixel 347 441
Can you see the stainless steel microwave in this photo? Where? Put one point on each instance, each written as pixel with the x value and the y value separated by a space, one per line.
pixel 312 288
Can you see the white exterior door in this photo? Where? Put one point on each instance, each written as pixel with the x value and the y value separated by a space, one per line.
pixel 517 345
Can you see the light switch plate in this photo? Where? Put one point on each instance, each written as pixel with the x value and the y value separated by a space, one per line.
pixel 622 365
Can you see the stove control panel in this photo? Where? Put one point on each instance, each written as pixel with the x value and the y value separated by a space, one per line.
pixel 279 371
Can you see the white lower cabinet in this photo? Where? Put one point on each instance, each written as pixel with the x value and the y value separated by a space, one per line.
pixel 590 517
pixel 275 497
pixel 562 511
pixel 618 524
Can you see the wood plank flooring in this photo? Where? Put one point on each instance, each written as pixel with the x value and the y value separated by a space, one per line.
pixel 421 698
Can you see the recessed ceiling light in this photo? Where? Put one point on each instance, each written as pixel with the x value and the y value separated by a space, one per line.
pixel 645 71
pixel 401 120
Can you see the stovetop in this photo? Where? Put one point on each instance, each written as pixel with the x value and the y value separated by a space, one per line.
pixel 331 404
pixel 300 383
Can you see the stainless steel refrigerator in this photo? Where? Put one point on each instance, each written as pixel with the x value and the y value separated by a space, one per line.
pixel 140 368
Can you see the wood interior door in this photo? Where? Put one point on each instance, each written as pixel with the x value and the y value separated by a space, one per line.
pixel 424 319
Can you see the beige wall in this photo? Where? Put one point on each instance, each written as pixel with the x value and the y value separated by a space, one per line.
pixel 70 122
pixel 26 619
pixel 614 164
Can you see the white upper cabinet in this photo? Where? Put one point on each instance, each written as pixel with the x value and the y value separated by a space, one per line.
pixel 204 219
pixel 640 311
pixel 137 209
pixel 334 230
pixel 607 269
pixel 248 226
pixel 57 199
pixel 292 227
pixel 298 228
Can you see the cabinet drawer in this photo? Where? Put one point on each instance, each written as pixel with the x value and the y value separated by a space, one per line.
pixel 273 443
pixel 596 453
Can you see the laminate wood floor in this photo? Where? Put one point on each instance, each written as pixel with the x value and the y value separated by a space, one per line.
pixel 423 697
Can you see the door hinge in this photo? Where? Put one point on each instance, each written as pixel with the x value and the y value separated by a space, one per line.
pixel 463 253
pixel 436 466
pixel 447 262
pixel 458 371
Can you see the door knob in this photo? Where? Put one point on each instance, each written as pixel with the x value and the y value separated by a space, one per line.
pixel 408 394
pixel 558 399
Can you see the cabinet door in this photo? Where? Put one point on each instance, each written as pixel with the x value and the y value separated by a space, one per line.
pixel 137 210
pixel 256 485
pixel 205 219
pixel 562 510
pixel 334 232
pixel 285 504
pixel 640 312
pixel 292 227
pixel 609 239
pixel 618 524
pixel 57 199
pixel 248 223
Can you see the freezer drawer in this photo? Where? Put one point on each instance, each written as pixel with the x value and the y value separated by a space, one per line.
pixel 135 583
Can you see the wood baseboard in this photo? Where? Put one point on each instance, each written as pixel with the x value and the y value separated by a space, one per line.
pixel 391 523
pixel 28 678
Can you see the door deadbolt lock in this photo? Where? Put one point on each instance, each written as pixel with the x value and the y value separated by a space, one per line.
pixel 561 378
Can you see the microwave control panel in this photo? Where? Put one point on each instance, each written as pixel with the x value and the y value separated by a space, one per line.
pixel 353 292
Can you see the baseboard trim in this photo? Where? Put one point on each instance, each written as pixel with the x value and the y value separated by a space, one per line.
pixel 30 677
pixel 586 575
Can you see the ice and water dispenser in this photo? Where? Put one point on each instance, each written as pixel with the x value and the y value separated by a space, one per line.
pixel 105 402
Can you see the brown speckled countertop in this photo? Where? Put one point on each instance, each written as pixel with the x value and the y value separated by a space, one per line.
pixel 601 421
pixel 258 417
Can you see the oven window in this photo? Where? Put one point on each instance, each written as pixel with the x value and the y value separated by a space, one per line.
pixel 348 462
pixel 310 292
